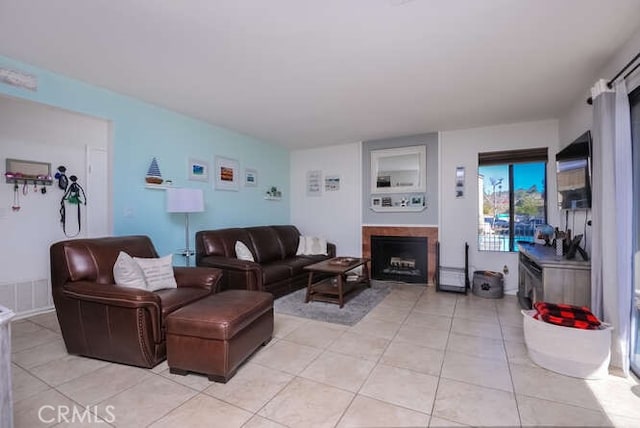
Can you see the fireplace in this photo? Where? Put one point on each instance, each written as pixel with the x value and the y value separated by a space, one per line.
pixel 399 258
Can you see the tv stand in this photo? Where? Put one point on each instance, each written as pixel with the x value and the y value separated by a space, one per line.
pixel 544 276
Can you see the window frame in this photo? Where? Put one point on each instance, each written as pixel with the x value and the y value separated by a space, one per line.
pixel 510 158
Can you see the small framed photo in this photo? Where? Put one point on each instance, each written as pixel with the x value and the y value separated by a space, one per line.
pixel 198 170
pixel 250 177
pixel 332 183
pixel 227 174
pixel 314 183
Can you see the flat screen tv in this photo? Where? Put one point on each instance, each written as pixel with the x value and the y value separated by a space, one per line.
pixel 574 174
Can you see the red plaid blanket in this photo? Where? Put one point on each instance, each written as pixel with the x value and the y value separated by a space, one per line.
pixel 566 315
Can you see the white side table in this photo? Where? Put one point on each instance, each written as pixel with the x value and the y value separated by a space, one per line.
pixel 6 403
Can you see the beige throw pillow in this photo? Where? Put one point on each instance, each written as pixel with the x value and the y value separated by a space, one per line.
pixel 158 273
pixel 127 273
pixel 302 246
pixel 315 246
pixel 243 252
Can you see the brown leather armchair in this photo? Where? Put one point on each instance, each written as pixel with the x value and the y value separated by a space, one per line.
pixel 100 319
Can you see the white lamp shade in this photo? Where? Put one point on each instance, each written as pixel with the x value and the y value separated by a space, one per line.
pixel 185 200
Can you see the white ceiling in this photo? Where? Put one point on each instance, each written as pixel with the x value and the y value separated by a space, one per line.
pixel 305 73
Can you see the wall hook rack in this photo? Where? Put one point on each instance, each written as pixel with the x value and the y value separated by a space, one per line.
pixel 28 172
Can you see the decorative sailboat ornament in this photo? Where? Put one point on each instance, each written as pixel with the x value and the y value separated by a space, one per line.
pixel 153 173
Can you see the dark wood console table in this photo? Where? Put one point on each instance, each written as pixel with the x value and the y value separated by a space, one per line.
pixel 339 283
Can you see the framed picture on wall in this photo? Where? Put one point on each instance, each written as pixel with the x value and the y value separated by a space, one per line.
pixel 250 177
pixel 198 170
pixel 314 183
pixel 227 174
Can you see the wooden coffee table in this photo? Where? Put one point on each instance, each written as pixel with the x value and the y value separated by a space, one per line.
pixel 340 282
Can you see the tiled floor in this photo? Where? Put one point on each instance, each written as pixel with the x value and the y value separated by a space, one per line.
pixel 419 359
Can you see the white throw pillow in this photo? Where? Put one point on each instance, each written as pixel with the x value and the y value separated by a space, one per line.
pixel 243 252
pixel 127 273
pixel 158 273
pixel 302 246
pixel 315 246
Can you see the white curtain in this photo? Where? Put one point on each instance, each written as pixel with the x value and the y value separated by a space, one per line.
pixel 611 265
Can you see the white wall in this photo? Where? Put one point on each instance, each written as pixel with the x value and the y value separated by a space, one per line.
pixel 458 217
pixel 30 131
pixel 334 215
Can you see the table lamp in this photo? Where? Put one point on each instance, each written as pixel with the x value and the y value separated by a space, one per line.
pixel 181 200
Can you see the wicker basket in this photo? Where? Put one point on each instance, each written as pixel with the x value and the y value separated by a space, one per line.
pixel 153 180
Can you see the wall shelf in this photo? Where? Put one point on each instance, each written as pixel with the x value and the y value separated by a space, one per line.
pixel 272 198
pixel 158 186
pixel 397 209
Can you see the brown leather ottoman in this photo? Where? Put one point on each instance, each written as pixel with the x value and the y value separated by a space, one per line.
pixel 216 334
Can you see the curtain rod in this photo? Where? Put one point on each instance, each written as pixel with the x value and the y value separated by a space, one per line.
pixel 610 82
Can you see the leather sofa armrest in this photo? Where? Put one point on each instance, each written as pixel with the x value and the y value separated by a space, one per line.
pixel 111 294
pixel 240 274
pixel 331 249
pixel 200 277
pixel 115 295
pixel 229 263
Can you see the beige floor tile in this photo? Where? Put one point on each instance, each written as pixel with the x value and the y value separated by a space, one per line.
pixel 375 327
pixel 24 326
pixel 103 383
pixel 444 307
pixel 401 387
pixel 251 388
pixel 196 381
pixel 318 335
pixel 413 357
pixel 513 334
pixel 615 395
pixel 41 354
pixel 260 422
pixel 304 403
pixel 477 346
pixel 204 411
pixel 479 371
pixel 439 422
pixel 540 383
pixel 476 328
pixel 48 320
pixel 623 421
pixel 285 324
pixel 33 336
pixel 517 353
pixel 65 369
pixel 160 367
pixel 359 345
pixel 399 301
pixel 24 384
pixel 341 371
pixel 287 356
pixel 475 405
pixel 510 317
pixel 430 338
pixel 388 313
pixel 87 419
pixel 146 402
pixel 476 313
pixel 41 410
pixel 425 319
pixel 367 412
pixel 538 412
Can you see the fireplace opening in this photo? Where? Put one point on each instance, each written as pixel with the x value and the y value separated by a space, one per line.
pixel 399 258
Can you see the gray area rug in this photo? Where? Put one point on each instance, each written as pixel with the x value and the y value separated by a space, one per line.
pixel 357 304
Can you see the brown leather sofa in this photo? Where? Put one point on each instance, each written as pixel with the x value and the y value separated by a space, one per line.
pixel 102 320
pixel 276 268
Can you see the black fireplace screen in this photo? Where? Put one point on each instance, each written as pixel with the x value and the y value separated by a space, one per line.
pixel 399 258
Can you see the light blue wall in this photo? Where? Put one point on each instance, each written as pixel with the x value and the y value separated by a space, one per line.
pixel 141 131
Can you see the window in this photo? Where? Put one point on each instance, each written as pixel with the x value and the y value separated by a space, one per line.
pixel 513 197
